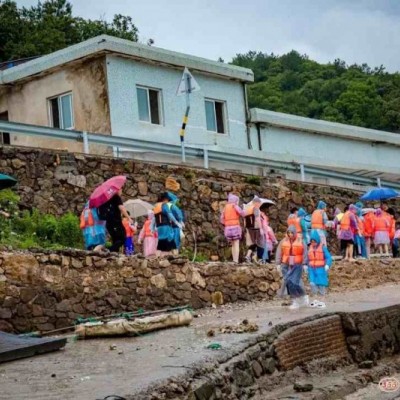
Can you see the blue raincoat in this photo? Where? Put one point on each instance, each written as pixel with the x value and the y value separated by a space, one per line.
pixel 318 276
pixel 304 225
pixel 178 215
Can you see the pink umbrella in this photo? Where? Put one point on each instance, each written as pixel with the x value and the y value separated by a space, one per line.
pixel 106 190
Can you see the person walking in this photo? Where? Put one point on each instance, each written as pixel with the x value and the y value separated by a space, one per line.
pixel 177 213
pixel 319 261
pixel 381 226
pixel 254 235
pixel 290 257
pixel 130 230
pixel 264 252
pixel 148 235
pixel 165 221
pixel 347 230
pixel 112 212
pixel 319 220
pixel 359 237
pixel 301 214
pixel 230 218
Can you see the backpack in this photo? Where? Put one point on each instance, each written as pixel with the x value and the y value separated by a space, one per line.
pixel 93 228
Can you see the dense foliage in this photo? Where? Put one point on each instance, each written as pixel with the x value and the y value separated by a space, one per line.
pixel 294 84
pixel 50 26
pixel 35 229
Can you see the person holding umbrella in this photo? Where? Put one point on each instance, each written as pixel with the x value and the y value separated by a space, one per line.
pixel 107 198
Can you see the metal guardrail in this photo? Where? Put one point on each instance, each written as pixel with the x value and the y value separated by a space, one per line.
pixel 231 156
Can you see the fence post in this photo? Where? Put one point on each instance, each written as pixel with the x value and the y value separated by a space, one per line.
pixel 302 173
pixel 205 153
pixel 85 142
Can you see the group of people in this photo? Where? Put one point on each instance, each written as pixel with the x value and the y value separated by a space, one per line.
pixel 160 234
pixel 304 248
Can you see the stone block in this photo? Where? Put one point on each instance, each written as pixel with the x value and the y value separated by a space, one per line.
pixel 257 369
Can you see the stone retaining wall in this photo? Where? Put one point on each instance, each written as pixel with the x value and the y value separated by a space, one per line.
pixel 45 291
pixel 57 182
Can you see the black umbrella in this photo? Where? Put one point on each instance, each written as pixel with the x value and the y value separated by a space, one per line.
pixel 7 181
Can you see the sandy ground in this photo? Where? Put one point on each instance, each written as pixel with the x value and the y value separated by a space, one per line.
pixel 89 370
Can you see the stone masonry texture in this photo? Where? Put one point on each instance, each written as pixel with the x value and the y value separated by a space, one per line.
pixel 56 182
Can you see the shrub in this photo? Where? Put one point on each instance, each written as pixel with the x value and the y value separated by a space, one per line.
pixel 253 180
pixel 68 231
pixel 47 228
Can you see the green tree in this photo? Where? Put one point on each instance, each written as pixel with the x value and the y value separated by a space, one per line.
pixel 51 26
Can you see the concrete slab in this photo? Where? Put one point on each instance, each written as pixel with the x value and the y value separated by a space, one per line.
pixel 90 370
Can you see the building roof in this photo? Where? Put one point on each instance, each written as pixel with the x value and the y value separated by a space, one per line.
pixel 327 128
pixel 104 44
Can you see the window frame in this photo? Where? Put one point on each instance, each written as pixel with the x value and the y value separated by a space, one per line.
pixel 224 115
pixel 60 111
pixel 159 104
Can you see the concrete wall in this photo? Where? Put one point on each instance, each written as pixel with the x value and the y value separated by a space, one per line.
pixel 326 151
pixel 124 75
pixel 27 102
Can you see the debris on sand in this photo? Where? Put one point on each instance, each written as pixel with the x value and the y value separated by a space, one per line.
pixel 244 327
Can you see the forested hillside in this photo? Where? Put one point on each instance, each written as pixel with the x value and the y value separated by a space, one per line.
pixel 355 94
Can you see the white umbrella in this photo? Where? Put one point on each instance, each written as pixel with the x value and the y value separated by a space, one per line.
pixel 263 201
pixel 137 208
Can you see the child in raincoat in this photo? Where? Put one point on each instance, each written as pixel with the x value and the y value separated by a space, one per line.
pixel 148 235
pixel 381 226
pixel 319 261
pixel 130 230
pixel 230 218
pixel 177 213
pixel 290 257
pixel 264 252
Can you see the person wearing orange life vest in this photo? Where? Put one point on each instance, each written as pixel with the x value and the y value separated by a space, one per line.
pixel 319 261
pixel 148 235
pixel 230 218
pixel 93 229
pixel 290 257
pixel 347 231
pixel 319 220
pixel 294 220
pixel 381 227
pixel 359 237
pixel 130 230
pixel 165 220
pixel 254 236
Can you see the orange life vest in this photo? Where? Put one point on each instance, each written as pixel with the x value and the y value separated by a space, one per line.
pixel 147 229
pixel 345 221
pixel 295 249
pixel 86 219
pixel 316 257
pixel 129 231
pixel 231 216
pixel 160 217
pixel 360 224
pixel 295 221
pixel 382 223
pixel 317 219
pixel 368 224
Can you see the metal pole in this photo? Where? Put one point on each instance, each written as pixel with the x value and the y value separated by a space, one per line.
pixel 378 181
pixel 188 89
pixel 302 173
pixel 205 150
pixel 85 142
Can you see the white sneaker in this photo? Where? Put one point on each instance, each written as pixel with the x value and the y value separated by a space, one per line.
pixel 294 306
pixel 321 304
pixel 304 301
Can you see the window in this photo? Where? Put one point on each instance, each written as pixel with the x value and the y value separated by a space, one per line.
pixel 215 116
pixel 149 105
pixel 4 136
pixel 61 115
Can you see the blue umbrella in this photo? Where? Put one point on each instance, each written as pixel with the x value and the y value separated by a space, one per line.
pixel 379 193
pixel 7 181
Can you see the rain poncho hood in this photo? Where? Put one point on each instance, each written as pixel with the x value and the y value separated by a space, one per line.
pixel 321 205
pixel 233 199
pixel 301 212
pixel 378 212
pixel 353 208
pixel 150 214
pixel 315 236
pixel 292 229
pixel 172 197
pixel 359 204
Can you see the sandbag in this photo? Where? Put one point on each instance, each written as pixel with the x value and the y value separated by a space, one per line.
pixel 122 326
